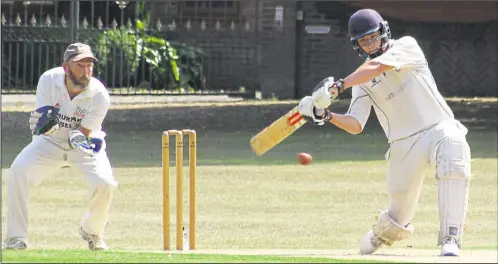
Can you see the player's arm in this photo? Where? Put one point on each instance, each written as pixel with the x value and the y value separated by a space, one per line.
pixel 43 91
pixel 365 73
pixel 93 120
pixel 354 120
pixel 44 119
pixel 328 89
pixel 347 123
pixel 405 53
pixel 82 138
pixel 85 131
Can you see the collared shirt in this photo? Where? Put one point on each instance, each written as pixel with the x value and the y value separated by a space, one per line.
pixel 88 109
pixel 405 99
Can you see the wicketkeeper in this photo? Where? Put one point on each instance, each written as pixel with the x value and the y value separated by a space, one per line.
pixel 67 131
pixel 421 129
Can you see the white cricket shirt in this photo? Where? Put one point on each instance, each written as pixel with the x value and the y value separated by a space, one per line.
pixel 87 109
pixel 406 99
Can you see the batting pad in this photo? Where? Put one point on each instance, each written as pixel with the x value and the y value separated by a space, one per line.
pixel 390 231
pixel 453 173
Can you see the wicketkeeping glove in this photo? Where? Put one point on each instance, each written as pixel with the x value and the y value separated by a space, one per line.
pixel 95 144
pixel 44 120
pixel 89 146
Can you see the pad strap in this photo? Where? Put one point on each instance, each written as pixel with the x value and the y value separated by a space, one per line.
pixel 389 231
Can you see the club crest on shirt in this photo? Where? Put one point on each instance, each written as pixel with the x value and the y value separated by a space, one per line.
pixel 80 112
pixel 375 81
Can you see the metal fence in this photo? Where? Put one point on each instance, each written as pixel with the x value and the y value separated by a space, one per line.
pixel 214 43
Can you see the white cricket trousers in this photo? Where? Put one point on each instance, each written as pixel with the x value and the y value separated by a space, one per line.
pixel 41 159
pixel 445 147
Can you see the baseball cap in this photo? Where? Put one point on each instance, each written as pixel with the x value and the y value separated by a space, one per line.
pixel 78 51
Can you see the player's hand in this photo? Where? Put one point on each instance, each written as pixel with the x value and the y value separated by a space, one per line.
pixel 312 114
pixel 97 141
pixel 326 91
pixel 95 144
pixel 78 141
pixel 321 94
pixel 44 120
pixel 33 119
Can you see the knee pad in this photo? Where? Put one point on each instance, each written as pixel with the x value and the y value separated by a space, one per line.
pixel 453 159
pixel 389 231
pixel 453 172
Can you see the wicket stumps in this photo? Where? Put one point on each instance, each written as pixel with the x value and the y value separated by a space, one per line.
pixel 179 187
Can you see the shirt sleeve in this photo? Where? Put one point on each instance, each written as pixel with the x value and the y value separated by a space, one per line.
pixel 360 106
pixel 404 53
pixel 95 117
pixel 44 90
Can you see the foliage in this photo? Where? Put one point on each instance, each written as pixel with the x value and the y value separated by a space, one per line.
pixel 190 61
pixel 126 52
pixel 135 46
pixel 158 53
pixel 112 67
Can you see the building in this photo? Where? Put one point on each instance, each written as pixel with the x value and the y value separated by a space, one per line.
pixel 281 47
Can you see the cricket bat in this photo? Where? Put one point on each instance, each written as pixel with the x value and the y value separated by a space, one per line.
pixel 276 132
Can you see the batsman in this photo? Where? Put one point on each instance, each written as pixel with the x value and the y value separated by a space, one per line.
pixel 67 131
pixel 421 130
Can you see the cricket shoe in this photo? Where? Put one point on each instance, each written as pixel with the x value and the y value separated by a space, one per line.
pixel 95 242
pixel 14 244
pixel 450 247
pixel 369 243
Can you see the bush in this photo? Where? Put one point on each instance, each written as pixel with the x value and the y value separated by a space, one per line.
pixel 111 45
pixel 174 66
pixel 190 64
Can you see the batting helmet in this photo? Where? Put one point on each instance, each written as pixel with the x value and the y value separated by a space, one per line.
pixel 365 22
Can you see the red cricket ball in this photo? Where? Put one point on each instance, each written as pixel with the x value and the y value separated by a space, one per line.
pixel 304 158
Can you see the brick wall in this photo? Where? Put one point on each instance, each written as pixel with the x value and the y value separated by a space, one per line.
pixel 327 54
pixel 461 55
pixel 277 50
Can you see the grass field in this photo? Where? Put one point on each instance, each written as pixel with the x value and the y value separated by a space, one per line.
pixel 249 203
pixel 78 256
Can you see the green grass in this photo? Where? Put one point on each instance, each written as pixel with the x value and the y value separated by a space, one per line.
pixel 245 201
pixel 79 256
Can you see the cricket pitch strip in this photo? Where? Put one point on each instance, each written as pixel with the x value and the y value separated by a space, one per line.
pixel 383 254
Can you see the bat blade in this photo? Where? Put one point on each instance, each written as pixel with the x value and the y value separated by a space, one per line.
pixel 276 132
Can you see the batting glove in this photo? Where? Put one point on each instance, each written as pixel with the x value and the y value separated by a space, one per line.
pixel 312 114
pixel 326 91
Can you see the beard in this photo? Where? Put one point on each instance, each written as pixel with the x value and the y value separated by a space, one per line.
pixel 80 83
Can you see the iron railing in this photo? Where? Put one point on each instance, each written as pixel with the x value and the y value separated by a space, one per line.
pixel 216 43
